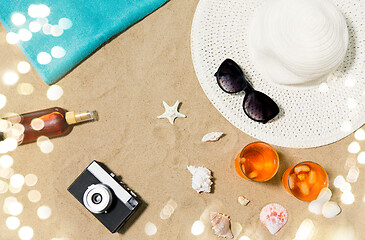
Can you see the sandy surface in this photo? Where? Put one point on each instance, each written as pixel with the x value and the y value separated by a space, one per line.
pixel 126 82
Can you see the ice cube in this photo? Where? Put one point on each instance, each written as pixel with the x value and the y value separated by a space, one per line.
pixel 302 168
pixel 292 181
pixel 312 177
pixel 253 174
pixel 303 187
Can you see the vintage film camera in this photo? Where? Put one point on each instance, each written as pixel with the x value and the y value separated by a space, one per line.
pixel 105 197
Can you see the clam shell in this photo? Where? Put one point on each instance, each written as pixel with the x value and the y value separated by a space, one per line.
pixel 212 137
pixel 273 216
pixel 221 225
pixel 330 209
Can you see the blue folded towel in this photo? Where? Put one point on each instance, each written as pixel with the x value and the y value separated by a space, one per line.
pixel 57 35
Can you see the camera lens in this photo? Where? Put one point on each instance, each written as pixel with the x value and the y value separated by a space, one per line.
pixel 96 198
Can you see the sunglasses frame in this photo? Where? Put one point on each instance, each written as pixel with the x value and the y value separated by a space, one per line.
pixel 247 88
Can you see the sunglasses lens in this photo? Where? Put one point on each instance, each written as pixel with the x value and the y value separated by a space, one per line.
pixel 259 107
pixel 230 78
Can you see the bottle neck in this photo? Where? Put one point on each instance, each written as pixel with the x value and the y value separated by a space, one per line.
pixel 78 117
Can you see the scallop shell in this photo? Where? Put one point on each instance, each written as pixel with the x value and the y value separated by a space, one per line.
pixel 274 217
pixel 212 137
pixel 221 225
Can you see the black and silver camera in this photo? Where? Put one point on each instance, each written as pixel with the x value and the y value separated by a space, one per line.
pixel 105 197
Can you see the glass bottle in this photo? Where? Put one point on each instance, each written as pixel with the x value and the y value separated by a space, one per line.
pixel 51 122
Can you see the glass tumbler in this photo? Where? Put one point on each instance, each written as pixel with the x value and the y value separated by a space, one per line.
pixel 258 161
pixel 305 180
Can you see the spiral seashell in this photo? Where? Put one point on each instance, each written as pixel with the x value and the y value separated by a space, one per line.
pixel 298 42
pixel 221 225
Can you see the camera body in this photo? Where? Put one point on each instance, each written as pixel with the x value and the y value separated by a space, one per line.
pixel 105 197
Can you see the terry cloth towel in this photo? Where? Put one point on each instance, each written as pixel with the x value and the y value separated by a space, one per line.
pixel 57 35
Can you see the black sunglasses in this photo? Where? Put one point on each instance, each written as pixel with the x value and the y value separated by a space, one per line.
pixel 256 105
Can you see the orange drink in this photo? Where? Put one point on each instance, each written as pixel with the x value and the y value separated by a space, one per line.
pixel 258 161
pixel 305 180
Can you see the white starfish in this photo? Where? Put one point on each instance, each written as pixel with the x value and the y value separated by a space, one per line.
pixel 171 112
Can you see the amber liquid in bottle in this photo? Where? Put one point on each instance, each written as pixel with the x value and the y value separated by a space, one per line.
pixel 54 122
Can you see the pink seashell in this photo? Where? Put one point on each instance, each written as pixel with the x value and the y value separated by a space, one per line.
pixel 274 217
pixel 220 224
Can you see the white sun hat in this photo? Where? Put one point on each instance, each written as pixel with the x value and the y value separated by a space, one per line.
pixel 328 109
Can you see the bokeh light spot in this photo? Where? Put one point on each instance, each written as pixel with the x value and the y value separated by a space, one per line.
pixel 15 208
pixel 46 147
pixel 361 158
pixel 37 124
pixel 305 230
pixel 6 161
pixel 345 187
pixel 17 180
pixel 354 147
pixel 12 222
pixel 348 198
pixel 44 58
pixel 35 26
pixel 25 88
pixel 34 196
pixel 10 78
pixel 10 144
pixel 18 19
pixel 12 38
pixel 54 92
pixel 339 181
pixel 23 67
pixel 47 29
pixel 33 11
pixel 44 10
pixel 30 179
pixel 25 35
pixel 25 233
pixel 42 139
pixel 58 52
pixel 197 228
pixel 14 189
pixel 353 174
pixel 56 31
pixel 3 187
pixel 150 229
pixel 360 134
pixel 42 21
pixel 44 212
pixel 65 23
pixel 6 172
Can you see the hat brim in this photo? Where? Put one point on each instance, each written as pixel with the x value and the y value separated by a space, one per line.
pixel 309 117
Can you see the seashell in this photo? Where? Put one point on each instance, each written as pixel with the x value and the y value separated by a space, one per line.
pixel 243 201
pixel 212 137
pixel 221 225
pixel 273 216
pixel 330 209
pixel 323 197
pixel 201 181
